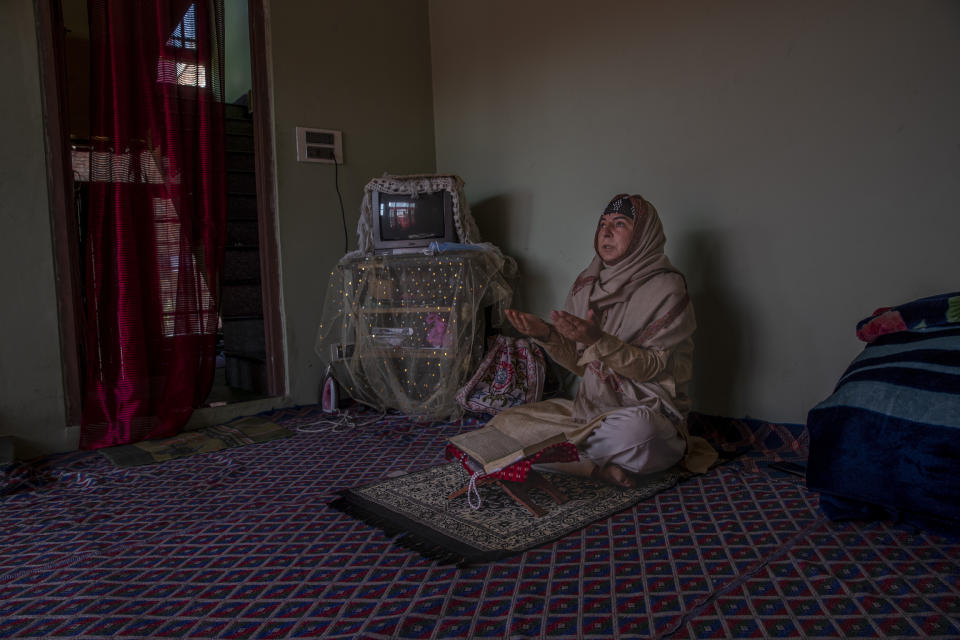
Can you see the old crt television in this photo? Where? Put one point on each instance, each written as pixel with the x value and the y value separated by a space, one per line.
pixel 403 222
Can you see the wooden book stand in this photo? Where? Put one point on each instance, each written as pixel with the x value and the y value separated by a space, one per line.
pixel 519 490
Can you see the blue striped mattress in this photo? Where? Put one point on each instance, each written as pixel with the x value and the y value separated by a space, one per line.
pixel 886 443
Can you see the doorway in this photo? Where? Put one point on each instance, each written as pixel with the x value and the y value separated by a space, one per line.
pixel 249 341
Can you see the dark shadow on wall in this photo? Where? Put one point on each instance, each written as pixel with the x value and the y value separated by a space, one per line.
pixel 722 328
pixel 504 221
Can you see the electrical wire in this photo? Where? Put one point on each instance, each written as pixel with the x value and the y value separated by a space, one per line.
pixel 339 422
pixel 343 216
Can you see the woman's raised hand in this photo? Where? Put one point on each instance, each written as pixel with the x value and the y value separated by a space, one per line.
pixel 585 331
pixel 528 324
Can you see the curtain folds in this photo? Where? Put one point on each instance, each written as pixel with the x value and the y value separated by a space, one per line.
pixel 157 214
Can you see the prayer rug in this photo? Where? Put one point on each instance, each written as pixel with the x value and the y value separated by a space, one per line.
pixel 244 431
pixel 415 510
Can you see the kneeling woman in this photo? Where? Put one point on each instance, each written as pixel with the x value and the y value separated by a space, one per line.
pixel 626 329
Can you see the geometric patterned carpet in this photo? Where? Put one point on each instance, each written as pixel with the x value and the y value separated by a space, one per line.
pixel 240 543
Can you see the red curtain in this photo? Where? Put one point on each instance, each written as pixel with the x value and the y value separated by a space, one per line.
pixel 156 220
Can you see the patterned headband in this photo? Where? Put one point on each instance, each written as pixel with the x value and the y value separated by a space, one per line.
pixel 624 205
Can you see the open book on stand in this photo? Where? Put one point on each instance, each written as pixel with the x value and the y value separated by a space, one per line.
pixel 492 449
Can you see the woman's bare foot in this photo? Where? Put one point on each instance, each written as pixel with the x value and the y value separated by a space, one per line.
pixel 613 474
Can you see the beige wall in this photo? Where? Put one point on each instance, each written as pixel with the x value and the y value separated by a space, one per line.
pixel 31 383
pixel 361 67
pixel 804 157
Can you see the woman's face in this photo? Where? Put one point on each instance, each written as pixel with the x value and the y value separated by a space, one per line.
pixel 613 236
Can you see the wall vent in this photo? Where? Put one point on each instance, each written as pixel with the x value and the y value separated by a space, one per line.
pixel 319 145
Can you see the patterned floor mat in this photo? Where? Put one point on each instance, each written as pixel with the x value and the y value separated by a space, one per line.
pixel 416 511
pixel 241 544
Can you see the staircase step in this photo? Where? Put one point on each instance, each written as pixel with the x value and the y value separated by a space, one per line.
pixel 241 264
pixel 241 207
pixel 239 143
pixel 243 233
pixel 246 373
pixel 245 183
pixel 244 336
pixel 241 300
pixel 237 111
pixel 241 161
pixel 241 127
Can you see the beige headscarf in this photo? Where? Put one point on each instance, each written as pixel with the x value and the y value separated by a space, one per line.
pixel 608 289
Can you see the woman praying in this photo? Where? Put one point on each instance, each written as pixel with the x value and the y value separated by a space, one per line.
pixel 626 329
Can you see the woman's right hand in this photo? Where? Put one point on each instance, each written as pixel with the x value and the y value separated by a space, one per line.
pixel 529 324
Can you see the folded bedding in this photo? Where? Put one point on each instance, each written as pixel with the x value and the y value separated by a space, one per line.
pixel 886 443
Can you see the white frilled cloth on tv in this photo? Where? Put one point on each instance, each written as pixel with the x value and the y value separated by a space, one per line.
pixel 467 231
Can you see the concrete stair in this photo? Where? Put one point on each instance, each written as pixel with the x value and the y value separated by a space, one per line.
pixel 242 305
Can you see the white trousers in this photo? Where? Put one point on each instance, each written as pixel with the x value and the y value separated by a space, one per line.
pixel 634 438
pixel 637 440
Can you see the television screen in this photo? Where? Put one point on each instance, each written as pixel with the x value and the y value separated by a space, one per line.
pixel 410 221
pixel 404 217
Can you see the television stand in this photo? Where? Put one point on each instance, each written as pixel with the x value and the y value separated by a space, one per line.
pixel 405 331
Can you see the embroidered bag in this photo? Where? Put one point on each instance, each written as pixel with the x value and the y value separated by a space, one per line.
pixel 511 373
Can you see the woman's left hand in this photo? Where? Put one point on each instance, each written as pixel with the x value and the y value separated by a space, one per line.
pixel 585 331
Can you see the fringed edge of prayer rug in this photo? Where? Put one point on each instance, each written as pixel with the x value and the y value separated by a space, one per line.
pixel 411 535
